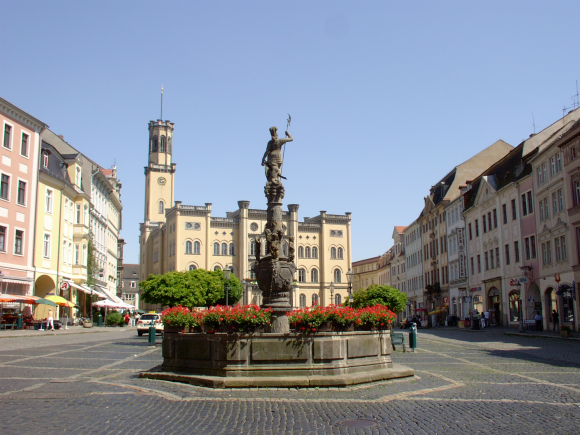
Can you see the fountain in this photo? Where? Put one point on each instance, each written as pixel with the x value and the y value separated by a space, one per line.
pixel 279 357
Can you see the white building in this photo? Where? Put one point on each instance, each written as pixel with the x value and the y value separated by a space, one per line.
pixel 414 266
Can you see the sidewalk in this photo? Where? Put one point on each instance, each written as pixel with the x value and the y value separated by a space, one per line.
pixel 574 336
pixel 16 333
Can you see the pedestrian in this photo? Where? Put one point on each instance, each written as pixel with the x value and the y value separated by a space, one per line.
pixel 555 320
pixel 136 318
pixel 538 321
pixel 487 317
pixel 50 320
pixel 482 320
pixel 127 319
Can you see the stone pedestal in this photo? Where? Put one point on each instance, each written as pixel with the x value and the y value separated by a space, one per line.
pixel 278 360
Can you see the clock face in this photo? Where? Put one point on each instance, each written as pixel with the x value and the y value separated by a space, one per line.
pixel 162 181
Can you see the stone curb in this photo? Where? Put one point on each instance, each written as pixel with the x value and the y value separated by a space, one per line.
pixel 25 333
pixel 397 371
pixel 555 337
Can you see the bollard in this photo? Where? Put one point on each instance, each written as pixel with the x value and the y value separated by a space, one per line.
pixel 100 320
pixel 413 337
pixel 19 321
pixel 152 333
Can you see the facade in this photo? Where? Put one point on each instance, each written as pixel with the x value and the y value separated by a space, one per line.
pixel 21 137
pixel 456 257
pixel 130 285
pixel 174 236
pixel 433 221
pixel 62 229
pixel 366 273
pixel 569 144
pixel 414 267
pixel 502 215
pixel 104 210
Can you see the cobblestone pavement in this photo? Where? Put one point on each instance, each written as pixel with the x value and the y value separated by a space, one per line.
pixel 466 382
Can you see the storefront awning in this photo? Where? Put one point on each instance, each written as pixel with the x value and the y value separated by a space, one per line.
pixel 109 295
pixel 80 287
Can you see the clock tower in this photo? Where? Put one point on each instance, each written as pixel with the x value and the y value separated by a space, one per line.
pixel 160 172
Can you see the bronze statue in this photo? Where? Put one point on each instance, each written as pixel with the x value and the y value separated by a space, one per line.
pixel 274 155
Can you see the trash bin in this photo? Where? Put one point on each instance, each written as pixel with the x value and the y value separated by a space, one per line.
pixel 475 323
pixel 100 320
pixel 19 321
pixel 413 336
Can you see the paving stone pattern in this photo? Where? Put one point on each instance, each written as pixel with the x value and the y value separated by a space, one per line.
pixel 465 383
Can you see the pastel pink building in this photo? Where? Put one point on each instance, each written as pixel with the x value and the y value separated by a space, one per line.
pixel 19 149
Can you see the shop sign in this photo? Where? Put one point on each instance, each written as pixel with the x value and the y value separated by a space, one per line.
pixel 64 286
pixel 445 300
pixel 467 299
pixel 475 289
pixel 518 281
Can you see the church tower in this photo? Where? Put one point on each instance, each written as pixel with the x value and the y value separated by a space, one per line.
pixel 160 172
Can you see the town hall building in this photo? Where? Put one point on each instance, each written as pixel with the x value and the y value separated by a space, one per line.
pixel 182 237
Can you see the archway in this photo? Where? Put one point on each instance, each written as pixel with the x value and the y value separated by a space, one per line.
pixel 494 306
pixel 43 287
pixel 534 301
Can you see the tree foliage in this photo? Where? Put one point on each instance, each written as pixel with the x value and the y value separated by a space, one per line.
pixel 92 265
pixel 194 288
pixel 380 295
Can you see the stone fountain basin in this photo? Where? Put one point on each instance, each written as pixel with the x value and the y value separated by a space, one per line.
pixel 327 359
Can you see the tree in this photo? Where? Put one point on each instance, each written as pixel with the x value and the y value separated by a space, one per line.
pixel 380 295
pixel 194 288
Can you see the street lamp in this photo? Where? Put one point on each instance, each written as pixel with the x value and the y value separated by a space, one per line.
pixel 331 293
pixel 350 276
pixel 227 275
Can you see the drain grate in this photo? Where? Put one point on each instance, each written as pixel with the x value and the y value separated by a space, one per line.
pixel 357 423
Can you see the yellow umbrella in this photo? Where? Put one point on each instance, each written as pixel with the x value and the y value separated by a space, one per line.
pixel 59 300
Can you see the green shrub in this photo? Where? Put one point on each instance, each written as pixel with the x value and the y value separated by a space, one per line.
pixel 114 319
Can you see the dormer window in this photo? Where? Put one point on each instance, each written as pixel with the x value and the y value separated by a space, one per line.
pixel 45 159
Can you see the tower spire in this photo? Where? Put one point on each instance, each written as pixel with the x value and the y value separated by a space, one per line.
pixel 162 102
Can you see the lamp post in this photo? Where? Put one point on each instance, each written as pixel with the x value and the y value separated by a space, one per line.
pixel 350 276
pixel 227 275
pixel 331 293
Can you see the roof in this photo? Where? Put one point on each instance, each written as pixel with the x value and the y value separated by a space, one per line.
pixel 366 261
pixel 401 229
pixel 130 271
pixel 107 171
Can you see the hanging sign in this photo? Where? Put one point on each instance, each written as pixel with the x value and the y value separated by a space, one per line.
pixel 64 286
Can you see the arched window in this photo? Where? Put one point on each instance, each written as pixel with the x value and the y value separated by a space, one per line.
pixel 192 267
pixel 216 248
pixel 302 300
pixel 154 147
pixel 188 247
pixel 162 147
pixel 314 252
pixel 307 252
pixel 232 250
pixel 340 253
pixel 314 275
pixel 253 248
pixel 196 247
pixel 333 253
pixel 285 249
pixel 300 252
pixel 161 207
pixel 301 275
pixel 337 300
pixel 224 249
pixel 314 299
pixel 217 268
pixel 337 276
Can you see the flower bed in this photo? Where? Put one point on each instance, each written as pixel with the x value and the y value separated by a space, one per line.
pixel 180 317
pixel 313 319
pixel 235 319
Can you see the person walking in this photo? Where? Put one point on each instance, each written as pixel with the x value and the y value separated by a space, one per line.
pixel 487 317
pixel 538 321
pixel 555 321
pixel 50 320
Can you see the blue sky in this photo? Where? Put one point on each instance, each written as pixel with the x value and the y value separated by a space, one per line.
pixel 386 97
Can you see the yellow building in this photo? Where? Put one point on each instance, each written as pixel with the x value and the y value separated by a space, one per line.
pixel 184 237
pixel 62 230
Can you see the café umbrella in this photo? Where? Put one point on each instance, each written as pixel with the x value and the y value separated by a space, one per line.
pixel 61 302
